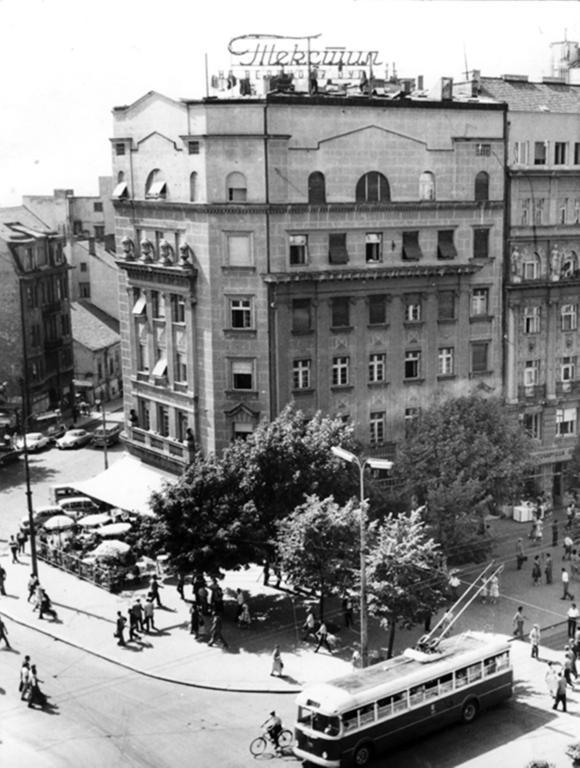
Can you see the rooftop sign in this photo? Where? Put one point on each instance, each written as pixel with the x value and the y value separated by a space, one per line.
pixel 262 51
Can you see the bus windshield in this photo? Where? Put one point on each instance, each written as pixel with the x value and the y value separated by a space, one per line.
pixel 318 722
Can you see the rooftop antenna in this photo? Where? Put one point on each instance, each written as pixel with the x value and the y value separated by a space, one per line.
pixel 465 60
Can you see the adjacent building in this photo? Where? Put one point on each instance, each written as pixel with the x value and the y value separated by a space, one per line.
pixel 342 252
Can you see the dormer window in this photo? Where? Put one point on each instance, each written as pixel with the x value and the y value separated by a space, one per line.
pixel 119 148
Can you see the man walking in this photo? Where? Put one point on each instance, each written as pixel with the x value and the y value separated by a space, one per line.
pixel 573 615
pixel 154 591
pixel 560 692
pixel 2 580
pixel 347 611
pixel 21 538
pixel 322 635
pixel 216 631
pixel 554 532
pixel 548 564
pixel 32 586
pixel 121 622
pixel 518 622
pixel 565 584
pixel 148 615
pixel 4 634
pixel 520 553
pixel 24 683
pixel 13 544
pixel 134 622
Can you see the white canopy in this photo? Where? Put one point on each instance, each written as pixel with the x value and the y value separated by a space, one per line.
pixel 113 530
pixel 128 485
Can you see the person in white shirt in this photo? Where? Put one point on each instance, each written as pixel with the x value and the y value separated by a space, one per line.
pixel 573 615
pixel 565 584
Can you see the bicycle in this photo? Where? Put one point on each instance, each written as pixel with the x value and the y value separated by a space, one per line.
pixel 260 744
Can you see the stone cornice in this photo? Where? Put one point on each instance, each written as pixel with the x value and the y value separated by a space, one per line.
pixel 158 273
pixel 427 270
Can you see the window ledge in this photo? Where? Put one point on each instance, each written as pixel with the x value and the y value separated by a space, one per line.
pixel 377 325
pixel 377 384
pixel 341 387
pixel 248 268
pixel 446 376
pixel 240 332
pixel 480 318
pixel 477 374
pixel 374 261
pixel 413 323
pixel 341 328
pixel 418 380
pixel 447 320
pixel 303 391
pixel 249 393
pixel 309 332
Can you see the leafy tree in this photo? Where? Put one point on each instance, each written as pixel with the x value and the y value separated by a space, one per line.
pixel 406 578
pixel 572 470
pixel 461 452
pixel 318 545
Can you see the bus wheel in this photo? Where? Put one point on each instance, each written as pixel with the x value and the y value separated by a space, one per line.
pixel 363 755
pixel 469 711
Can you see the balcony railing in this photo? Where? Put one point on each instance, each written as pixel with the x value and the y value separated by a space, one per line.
pixel 567 388
pixel 162 445
pixel 532 392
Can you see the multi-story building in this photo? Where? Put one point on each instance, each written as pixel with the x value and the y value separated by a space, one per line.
pixel 341 252
pixel 34 315
pixel 542 286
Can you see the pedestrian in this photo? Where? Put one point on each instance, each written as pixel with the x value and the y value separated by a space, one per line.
pixel 565 577
pixel 202 598
pixel 347 610
pixel 195 620
pixel 570 513
pixel 454 585
pixel 536 571
pixel 520 553
pixel 2 581
pixel 134 622
pixel 120 623
pixel 154 588
pixel 573 615
pixel 216 631
pixel 149 615
pixel 32 586
pixel 568 545
pixel 13 545
pixel 4 634
pixel 24 678
pixel 216 597
pixel 569 662
pixel 309 626
pixel 277 663
pixel 21 538
pixel 551 678
pixel 484 591
pixel 577 642
pixel 322 636
pixel 45 606
pixel 535 641
pixel 571 652
pixel 554 532
pixel 137 611
pixel 240 600
pixel 35 696
pixel 539 532
pixel 548 564
pixel 266 572
pixel 560 692
pixel 245 619
pixel 355 660
pixel 180 585
pixel 494 590
pixel 277 573
pixel 518 622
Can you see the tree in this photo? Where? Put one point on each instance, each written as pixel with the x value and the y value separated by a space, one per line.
pixel 318 545
pixel 461 452
pixel 572 470
pixel 406 578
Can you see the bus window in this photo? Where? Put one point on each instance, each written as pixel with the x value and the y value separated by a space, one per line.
pixel 503 660
pixel 367 714
pixel 461 678
pixel 305 716
pixel 400 702
pixel 416 695
pixel 431 689
pixel 385 707
pixel 350 720
pixel 490 666
pixel 474 672
pixel 325 724
pixel 445 684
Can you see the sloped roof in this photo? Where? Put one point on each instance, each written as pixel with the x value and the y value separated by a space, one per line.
pixel 18 224
pixel 101 253
pixel 92 327
pixel 525 96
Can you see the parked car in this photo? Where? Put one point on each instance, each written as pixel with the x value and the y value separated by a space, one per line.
pixel 58 492
pixel 57 430
pixel 35 441
pixel 40 515
pixel 78 506
pixel 74 438
pixel 9 453
pixel 107 435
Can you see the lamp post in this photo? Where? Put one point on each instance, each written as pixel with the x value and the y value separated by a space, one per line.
pixel 351 458
pixel 101 404
pixel 31 525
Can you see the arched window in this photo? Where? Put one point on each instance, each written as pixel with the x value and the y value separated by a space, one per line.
pixel 531 265
pixel 481 187
pixel 427 186
pixel 236 188
pixel 120 177
pixel 121 191
pixel 373 187
pixel 155 186
pixel 193 186
pixel 316 188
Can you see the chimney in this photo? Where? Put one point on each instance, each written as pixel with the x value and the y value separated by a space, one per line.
pixel 92 251
pixel 419 82
pixel 446 88
pixel 475 82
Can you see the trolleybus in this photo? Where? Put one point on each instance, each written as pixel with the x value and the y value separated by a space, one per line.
pixel 348 720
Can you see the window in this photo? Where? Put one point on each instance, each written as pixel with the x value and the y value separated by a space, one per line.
pixel 560 150
pixel 180 372
pixel 539 153
pixel 77 227
pixel 143 413
pixel 577 153
pixel 377 310
pixel 373 247
pixel 83 266
pixel 482 150
pixel 143 357
pixel 301 315
pixel 85 290
pixel 566 422
pixel 192 186
pixel 411 420
pixel 350 720
pixel 568 369
pixel 426 186
pixel 525 212
pixel 480 243
pixel 481 187
pixel 337 253
pixel 563 208
pixel 533 425
pixel 241 313
pixel 155 186
pixel 121 191
pixel 301 374
pixel 412 308
pixel 340 371
pixel 157 305
pixel 479 302
pixel 373 187
pixel 340 312
pixel 446 361
pixel 377 367
pixel 181 425
pixel 140 302
pixel 377 427
pixel 411 247
pixel 119 148
pixel 242 374
pixel 163 420
pixel 177 308
pixel 193 147
pixel 412 364
pixel 236 188
pixel 160 367
pixel 97 207
pixel 316 189
pixel 532 319
pixel 446 305
pixel 521 153
pixel 35 334
pixel 479 350
pixel 569 317
pixel 531 373
pixel 576 211
pixel 531 266
pixel 298 250
pixel 539 211
pixel 240 251
pixel 445 245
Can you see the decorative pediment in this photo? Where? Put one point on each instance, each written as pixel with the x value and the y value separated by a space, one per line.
pixel 365 133
pixel 242 413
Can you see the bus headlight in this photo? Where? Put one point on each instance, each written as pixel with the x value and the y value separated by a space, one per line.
pixel 325 755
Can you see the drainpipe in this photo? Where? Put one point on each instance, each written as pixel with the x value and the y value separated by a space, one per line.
pixel 271 289
pixel 506 254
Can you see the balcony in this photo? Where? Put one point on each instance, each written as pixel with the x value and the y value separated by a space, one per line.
pixel 164 452
pixel 532 392
pixel 564 388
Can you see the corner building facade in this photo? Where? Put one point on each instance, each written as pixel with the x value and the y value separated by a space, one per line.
pixel 345 253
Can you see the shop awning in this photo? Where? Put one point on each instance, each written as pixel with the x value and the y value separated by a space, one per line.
pixel 128 485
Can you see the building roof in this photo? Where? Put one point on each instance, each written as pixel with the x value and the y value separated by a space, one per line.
pixel 524 96
pixel 101 253
pixel 92 327
pixel 18 224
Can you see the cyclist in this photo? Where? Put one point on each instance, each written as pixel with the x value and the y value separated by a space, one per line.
pixel 273 726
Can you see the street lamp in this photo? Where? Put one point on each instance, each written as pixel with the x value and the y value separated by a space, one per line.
pixel 351 458
pixel 101 404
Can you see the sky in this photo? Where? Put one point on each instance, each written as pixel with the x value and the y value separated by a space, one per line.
pixel 66 63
